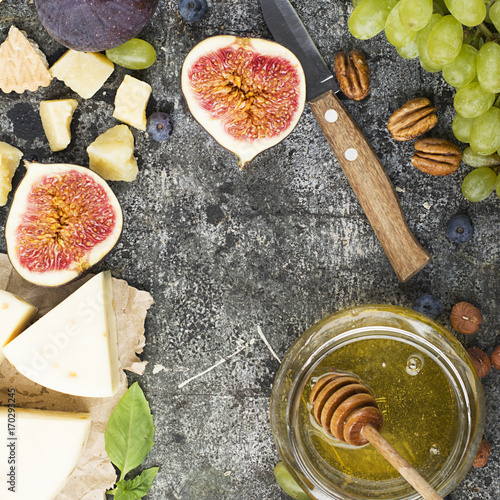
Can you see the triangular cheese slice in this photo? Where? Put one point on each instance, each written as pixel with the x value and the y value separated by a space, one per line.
pixel 23 65
pixel 40 451
pixel 72 349
pixel 15 316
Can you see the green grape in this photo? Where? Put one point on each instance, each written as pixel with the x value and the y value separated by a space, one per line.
pixel 396 33
pixel 476 160
pixel 479 184
pixel 461 127
pixel 472 100
pixel 488 67
pixel 462 70
pixel 423 36
pixel 440 7
pixel 368 18
pixel 498 185
pixel 415 14
pixel 485 132
pixel 495 14
pixel 468 12
pixel 410 50
pixel 355 3
pixel 445 40
pixel 288 483
pixel 134 54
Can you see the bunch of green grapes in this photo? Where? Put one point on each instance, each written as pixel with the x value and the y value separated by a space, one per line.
pixel 461 39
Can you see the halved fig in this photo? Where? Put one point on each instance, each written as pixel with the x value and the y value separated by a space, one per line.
pixel 248 93
pixel 63 220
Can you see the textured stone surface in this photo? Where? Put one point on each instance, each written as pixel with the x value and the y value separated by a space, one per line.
pixel 279 245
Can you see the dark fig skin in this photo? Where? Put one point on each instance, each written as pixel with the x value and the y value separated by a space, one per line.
pixel 94 25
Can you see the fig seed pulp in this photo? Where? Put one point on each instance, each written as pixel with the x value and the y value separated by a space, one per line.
pixel 55 231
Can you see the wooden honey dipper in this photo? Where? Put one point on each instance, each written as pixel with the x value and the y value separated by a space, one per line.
pixel 346 409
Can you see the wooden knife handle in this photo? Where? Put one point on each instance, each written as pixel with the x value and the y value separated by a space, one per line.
pixel 371 184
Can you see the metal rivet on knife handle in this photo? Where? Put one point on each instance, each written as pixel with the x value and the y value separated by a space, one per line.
pixel 331 116
pixel 351 154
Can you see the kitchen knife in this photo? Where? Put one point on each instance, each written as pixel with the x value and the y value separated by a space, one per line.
pixel 360 164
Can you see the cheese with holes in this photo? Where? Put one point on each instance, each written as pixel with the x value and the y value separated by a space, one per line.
pixel 9 161
pixel 72 349
pixel 39 451
pixel 15 316
pixel 56 118
pixel 131 100
pixel 83 72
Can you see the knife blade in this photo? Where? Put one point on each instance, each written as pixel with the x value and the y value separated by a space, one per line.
pixel 360 164
pixel 288 30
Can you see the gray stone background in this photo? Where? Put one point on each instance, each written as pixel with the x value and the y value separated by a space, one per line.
pixel 278 245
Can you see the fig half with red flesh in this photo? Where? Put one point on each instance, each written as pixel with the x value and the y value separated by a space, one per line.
pixel 94 25
pixel 63 220
pixel 248 93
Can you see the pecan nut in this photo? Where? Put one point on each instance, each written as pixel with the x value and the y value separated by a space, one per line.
pixel 436 156
pixel 353 74
pixel 412 120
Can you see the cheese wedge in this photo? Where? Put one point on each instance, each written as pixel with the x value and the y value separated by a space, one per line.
pixel 9 161
pixel 131 100
pixel 83 72
pixel 40 451
pixel 72 349
pixel 56 118
pixel 15 316
pixel 23 65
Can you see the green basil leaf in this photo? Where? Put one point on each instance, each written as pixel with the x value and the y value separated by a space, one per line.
pixel 130 432
pixel 135 489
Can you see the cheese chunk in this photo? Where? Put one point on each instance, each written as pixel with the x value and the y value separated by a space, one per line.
pixel 131 100
pixel 9 161
pixel 15 316
pixel 56 118
pixel 111 155
pixel 72 349
pixel 83 72
pixel 45 451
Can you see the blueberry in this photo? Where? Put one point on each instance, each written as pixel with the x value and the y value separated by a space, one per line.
pixel 193 10
pixel 460 229
pixel 160 126
pixel 429 305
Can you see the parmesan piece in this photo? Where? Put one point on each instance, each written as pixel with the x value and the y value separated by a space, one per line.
pixel 131 100
pixel 23 65
pixel 56 118
pixel 83 72
pixel 72 349
pixel 9 161
pixel 111 155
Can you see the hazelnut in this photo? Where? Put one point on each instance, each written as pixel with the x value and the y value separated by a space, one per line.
pixel 482 454
pixel 480 360
pixel 465 318
pixel 495 358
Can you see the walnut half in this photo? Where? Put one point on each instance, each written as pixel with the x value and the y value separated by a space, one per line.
pixel 412 120
pixel 353 74
pixel 436 156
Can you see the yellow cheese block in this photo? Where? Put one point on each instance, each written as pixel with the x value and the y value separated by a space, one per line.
pixel 56 118
pixel 111 155
pixel 40 450
pixel 131 100
pixel 15 316
pixel 9 161
pixel 83 72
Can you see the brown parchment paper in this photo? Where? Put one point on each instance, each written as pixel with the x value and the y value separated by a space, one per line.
pixel 94 473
